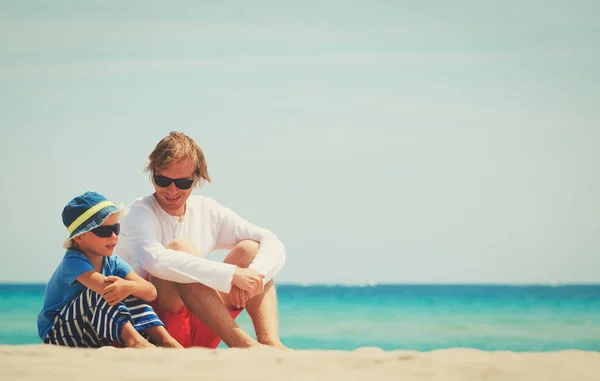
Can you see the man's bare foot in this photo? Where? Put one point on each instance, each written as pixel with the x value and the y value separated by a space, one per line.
pixel 132 338
pixel 279 346
pixel 162 338
pixel 273 344
pixel 141 344
pixel 169 343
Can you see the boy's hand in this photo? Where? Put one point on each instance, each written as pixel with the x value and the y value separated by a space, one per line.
pixel 117 289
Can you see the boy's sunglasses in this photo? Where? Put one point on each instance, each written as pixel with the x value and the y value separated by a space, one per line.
pixel 107 230
pixel 164 181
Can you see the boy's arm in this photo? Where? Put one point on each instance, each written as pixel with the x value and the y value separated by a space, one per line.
pixel 93 280
pixel 114 289
pixel 133 284
pixel 144 289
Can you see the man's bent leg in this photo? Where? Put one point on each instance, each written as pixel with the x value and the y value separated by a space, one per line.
pixel 242 256
pixel 263 312
pixel 263 307
pixel 206 305
pixel 168 297
pixel 168 304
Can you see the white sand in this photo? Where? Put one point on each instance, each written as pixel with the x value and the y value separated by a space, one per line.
pixel 43 362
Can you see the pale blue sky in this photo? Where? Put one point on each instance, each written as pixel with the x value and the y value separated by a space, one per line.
pixel 387 141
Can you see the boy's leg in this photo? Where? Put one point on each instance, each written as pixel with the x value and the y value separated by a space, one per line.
pixel 118 324
pixel 142 314
pixel 71 326
pixel 88 321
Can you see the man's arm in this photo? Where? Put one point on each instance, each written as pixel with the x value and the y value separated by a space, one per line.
pixel 231 229
pixel 140 239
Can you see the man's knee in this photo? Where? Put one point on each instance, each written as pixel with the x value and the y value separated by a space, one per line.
pixel 180 244
pixel 243 253
pixel 247 248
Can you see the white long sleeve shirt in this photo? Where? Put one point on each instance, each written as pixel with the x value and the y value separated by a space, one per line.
pixel 146 229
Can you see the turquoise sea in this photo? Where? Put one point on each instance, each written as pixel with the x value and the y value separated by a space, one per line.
pixel 419 317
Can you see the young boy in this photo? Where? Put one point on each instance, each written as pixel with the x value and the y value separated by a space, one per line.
pixel 95 299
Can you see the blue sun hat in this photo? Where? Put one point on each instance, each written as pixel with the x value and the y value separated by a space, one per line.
pixel 84 213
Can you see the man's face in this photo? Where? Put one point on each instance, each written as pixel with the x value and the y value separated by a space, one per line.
pixel 91 243
pixel 171 198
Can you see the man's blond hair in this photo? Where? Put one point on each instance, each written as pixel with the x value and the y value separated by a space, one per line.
pixel 175 147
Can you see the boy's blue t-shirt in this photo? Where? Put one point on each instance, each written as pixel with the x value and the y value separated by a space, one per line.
pixel 62 287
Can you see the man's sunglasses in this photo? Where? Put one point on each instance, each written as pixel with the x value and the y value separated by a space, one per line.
pixel 164 181
pixel 107 230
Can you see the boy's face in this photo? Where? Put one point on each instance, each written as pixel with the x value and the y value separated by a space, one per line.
pixel 171 198
pixel 92 244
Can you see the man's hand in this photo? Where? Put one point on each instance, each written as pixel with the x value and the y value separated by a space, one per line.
pixel 237 297
pixel 248 280
pixel 117 289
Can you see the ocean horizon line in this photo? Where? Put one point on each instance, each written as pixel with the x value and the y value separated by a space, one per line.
pixel 376 284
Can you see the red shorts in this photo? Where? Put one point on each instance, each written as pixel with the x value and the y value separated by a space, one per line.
pixel 187 329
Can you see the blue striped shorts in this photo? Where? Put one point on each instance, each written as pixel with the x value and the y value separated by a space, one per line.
pixel 89 321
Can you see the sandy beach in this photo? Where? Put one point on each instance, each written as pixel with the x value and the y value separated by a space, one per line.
pixel 42 362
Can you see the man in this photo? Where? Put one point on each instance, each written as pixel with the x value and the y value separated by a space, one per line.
pixel 169 235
